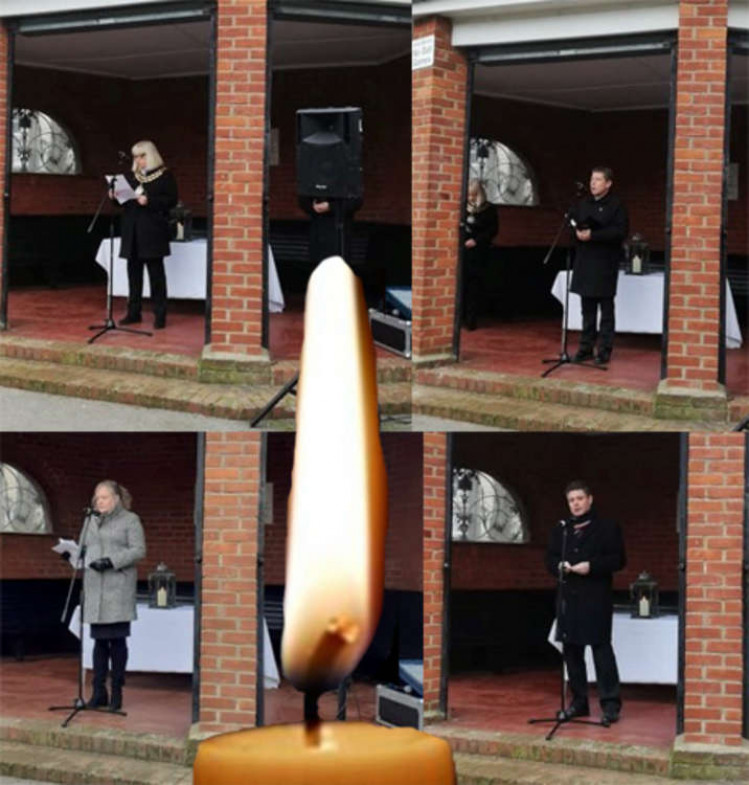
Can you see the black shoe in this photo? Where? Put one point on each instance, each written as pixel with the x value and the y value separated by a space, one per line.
pixel 603 357
pixel 159 323
pixel 131 318
pixel 576 710
pixel 116 702
pixel 582 355
pixel 98 698
pixel 610 716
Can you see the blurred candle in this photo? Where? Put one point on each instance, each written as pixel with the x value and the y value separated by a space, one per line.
pixel 334 568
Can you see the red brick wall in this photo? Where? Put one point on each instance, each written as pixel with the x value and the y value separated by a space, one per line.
pixel 236 317
pixel 228 643
pixel 713 666
pixel 438 120
pixel 403 458
pixel 435 479
pixel 634 478
pixel 634 144
pixel 68 466
pixel 383 92
pixel 105 115
pixel 692 353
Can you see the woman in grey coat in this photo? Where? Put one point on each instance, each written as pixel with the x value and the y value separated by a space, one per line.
pixel 114 544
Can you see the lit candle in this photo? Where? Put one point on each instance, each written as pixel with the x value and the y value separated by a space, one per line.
pixel 334 569
pixel 644 606
pixel 161 597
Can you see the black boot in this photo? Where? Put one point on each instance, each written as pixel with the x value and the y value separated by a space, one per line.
pixel 99 695
pixel 119 661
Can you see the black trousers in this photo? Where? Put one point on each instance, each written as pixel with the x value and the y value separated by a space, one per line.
pixel 590 334
pixel 475 262
pixel 106 649
pixel 607 674
pixel 157 279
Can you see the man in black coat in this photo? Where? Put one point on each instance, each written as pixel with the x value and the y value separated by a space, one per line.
pixel 601 227
pixel 587 550
pixel 327 238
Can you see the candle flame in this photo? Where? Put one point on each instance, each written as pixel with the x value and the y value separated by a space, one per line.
pixel 338 501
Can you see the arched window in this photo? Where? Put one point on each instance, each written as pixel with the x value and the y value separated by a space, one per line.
pixel 507 178
pixel 23 506
pixel 486 510
pixel 41 145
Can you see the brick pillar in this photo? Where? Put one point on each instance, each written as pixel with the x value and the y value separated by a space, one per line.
pixel 438 130
pixel 236 318
pixel 228 645
pixel 714 639
pixel 694 307
pixel 435 498
pixel 4 110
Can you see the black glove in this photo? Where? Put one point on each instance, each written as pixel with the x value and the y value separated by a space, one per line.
pixel 102 564
pixel 65 555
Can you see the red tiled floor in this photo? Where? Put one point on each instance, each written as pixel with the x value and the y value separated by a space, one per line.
pixel 519 347
pixel 505 702
pixel 162 703
pixel 65 314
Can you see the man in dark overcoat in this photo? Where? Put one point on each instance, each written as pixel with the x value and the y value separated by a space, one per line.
pixel 327 237
pixel 587 551
pixel 601 227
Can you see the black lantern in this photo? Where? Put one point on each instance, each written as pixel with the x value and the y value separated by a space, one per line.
pixel 644 595
pixel 638 255
pixel 162 587
pixel 180 219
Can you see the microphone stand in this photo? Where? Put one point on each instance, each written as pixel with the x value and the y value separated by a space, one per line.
pixel 109 323
pixel 79 702
pixel 561 717
pixel 564 358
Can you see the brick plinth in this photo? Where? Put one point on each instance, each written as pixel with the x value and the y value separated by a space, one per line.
pixel 4 109
pixel 228 645
pixel 438 133
pixel 237 282
pixel 694 295
pixel 713 679
pixel 435 483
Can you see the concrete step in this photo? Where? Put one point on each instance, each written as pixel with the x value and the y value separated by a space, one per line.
pixel 54 764
pixel 101 741
pixel 231 401
pixel 514 413
pixel 590 753
pixel 481 770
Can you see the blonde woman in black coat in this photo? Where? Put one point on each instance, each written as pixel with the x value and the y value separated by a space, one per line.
pixel 145 231
pixel 480 225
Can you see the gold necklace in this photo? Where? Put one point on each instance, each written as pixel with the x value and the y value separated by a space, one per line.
pixel 149 178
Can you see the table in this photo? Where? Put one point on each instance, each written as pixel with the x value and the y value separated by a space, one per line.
pixel 639 306
pixel 647 650
pixel 161 641
pixel 185 272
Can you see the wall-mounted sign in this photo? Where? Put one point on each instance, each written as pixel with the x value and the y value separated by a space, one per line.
pixel 422 52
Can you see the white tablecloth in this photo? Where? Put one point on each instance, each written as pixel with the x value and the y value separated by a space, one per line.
pixel 647 650
pixel 639 306
pixel 161 641
pixel 185 272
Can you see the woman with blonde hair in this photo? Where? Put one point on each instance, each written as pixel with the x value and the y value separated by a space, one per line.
pixel 480 225
pixel 145 231
pixel 114 544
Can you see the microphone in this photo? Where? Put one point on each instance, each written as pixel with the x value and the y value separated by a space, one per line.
pixel 564 523
pixel 91 512
pixel 580 188
pixel 122 155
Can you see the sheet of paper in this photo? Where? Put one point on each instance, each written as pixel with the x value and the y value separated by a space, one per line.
pixel 123 191
pixel 67 546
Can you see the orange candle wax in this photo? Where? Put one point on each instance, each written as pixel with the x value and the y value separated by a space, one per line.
pixel 328 753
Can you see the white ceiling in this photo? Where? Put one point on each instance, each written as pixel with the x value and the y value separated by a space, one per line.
pixel 183 49
pixel 593 85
